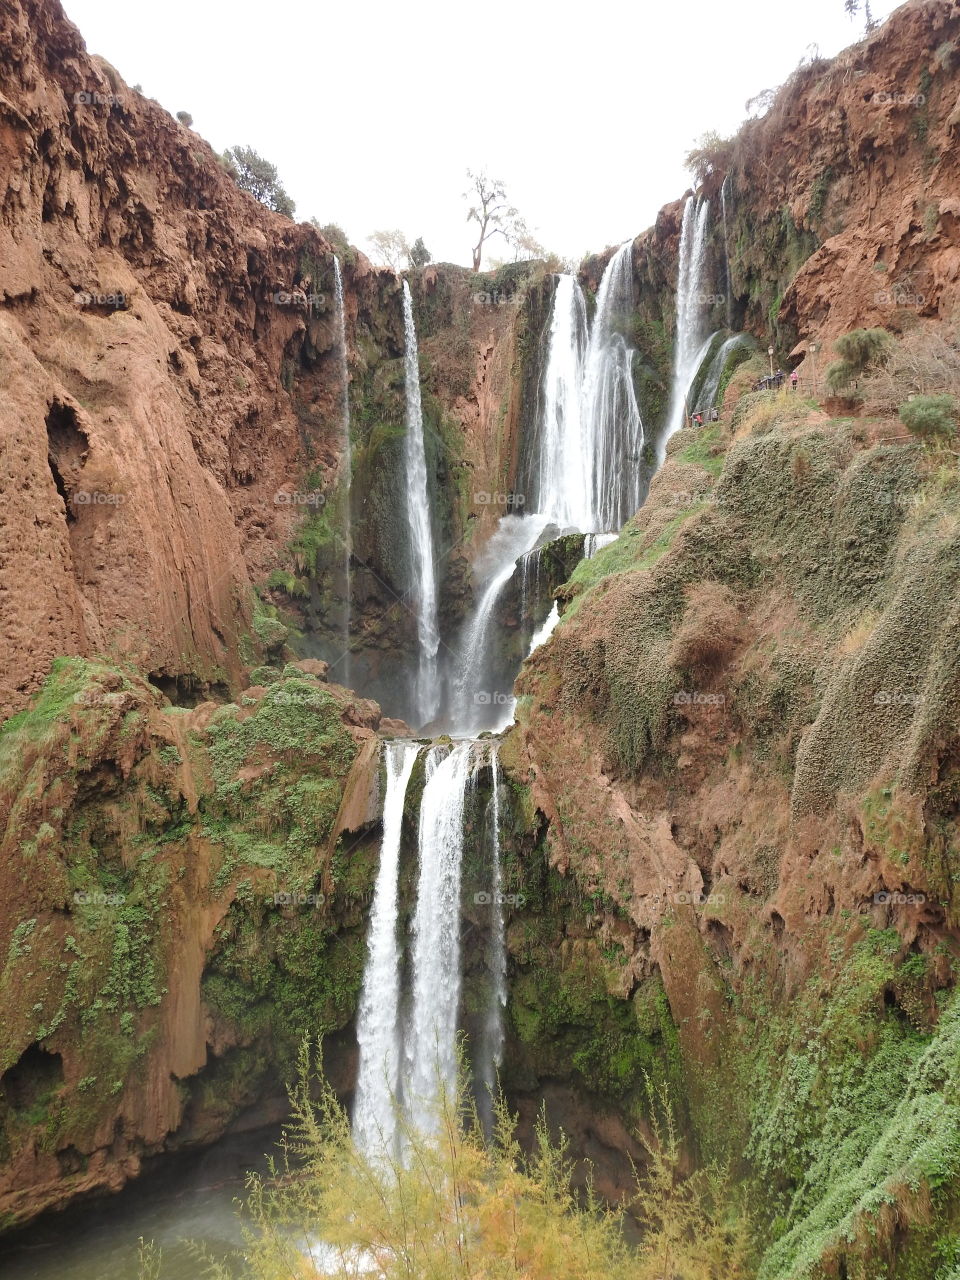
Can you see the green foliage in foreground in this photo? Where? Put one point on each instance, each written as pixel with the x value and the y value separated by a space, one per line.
pixel 463 1208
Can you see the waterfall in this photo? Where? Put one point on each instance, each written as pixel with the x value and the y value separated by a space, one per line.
pixel 706 397
pixel 423 584
pixel 612 429
pixel 585 470
pixel 346 469
pixel 543 634
pixel 493 1029
pixel 560 479
pixel 691 309
pixel 728 296
pixel 476 705
pixel 430 1049
pixel 378 1018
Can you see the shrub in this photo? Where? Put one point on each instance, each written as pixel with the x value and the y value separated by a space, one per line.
pixel 859 351
pixel 924 362
pixel 185 118
pixel 930 416
pixel 258 176
pixel 461 1208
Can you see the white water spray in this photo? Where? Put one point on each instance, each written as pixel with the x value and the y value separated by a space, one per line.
pixel 378 1019
pixel 430 1049
pixel 493 1030
pixel 691 311
pixel 423 585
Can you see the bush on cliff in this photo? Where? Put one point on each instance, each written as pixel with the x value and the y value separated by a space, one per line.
pixel 930 416
pixel 860 351
pixel 259 177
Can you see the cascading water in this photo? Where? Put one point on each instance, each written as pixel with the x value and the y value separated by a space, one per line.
pixel 430 1045
pixel 583 473
pixel 423 584
pixel 493 1027
pixel 707 394
pixel 346 470
pixel 477 706
pixel 691 311
pixel 559 478
pixel 612 429
pixel 378 1020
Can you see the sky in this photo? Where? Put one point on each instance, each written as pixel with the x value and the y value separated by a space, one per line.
pixel 373 111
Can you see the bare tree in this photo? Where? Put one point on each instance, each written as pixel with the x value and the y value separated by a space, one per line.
pixel 492 212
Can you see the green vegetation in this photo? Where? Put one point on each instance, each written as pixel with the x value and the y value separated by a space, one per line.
pixel 930 417
pixel 461 1207
pixel 259 177
pixel 860 351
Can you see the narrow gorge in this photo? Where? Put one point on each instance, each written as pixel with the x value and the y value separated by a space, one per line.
pixel 535 689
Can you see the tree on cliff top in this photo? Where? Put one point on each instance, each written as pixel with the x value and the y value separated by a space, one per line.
pixel 259 177
pixel 495 216
pixel 419 254
pixel 391 247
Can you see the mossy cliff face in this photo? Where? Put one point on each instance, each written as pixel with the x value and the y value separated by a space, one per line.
pixel 180 912
pixel 744 734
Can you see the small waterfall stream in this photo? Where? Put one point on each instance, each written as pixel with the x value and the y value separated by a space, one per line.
pixel 346 471
pixel 423 578
pixel 691 313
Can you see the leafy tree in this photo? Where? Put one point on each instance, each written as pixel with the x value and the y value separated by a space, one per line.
pixel 185 119
pixel 419 254
pixel 259 177
pixel 930 416
pixel 711 153
pixel 391 247
pixel 859 351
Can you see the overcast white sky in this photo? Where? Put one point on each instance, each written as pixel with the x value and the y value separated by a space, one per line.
pixel 373 111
